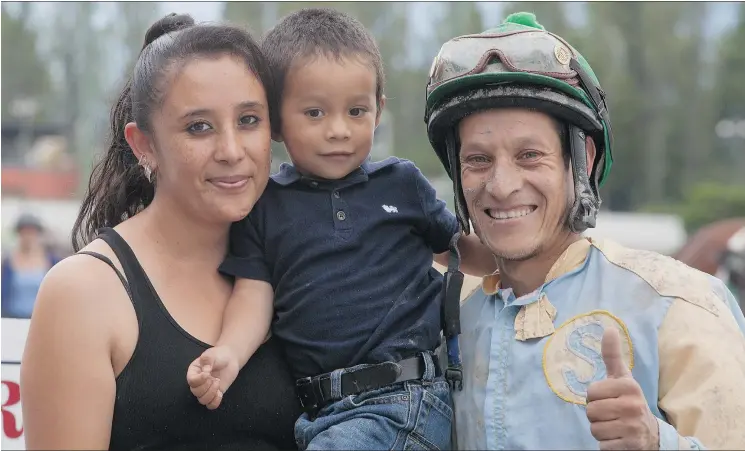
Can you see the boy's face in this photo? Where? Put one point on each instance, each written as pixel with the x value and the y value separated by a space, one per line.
pixel 329 115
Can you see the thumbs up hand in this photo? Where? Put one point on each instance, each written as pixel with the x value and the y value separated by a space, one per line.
pixel 616 408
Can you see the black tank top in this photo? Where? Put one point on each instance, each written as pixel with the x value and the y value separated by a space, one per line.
pixel 154 408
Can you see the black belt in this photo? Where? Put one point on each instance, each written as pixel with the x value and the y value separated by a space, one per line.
pixel 315 392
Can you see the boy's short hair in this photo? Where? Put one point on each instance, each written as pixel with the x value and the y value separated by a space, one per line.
pixel 319 31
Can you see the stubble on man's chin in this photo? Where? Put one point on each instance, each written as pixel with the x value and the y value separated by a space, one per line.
pixel 520 256
pixel 502 255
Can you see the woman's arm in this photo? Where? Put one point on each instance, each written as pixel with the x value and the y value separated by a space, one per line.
pixel 67 378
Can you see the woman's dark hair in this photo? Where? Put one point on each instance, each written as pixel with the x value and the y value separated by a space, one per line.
pixel 118 189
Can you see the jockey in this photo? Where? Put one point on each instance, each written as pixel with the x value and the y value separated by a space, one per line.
pixel 574 343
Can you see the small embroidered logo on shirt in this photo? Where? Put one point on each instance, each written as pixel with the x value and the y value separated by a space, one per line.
pixel 390 209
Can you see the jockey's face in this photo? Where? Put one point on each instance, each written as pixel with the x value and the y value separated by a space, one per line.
pixel 516 181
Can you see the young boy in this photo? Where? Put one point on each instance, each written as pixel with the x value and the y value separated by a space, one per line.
pixel 338 252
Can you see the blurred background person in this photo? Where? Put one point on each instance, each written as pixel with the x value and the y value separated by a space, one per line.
pixel 24 267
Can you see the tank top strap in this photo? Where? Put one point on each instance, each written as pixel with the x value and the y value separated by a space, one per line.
pixel 141 292
pixel 111 264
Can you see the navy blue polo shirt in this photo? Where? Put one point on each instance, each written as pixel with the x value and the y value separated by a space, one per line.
pixel 350 262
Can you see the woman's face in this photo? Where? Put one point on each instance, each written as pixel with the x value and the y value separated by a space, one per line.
pixel 210 149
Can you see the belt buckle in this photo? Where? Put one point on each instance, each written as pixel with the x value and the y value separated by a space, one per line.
pixel 306 394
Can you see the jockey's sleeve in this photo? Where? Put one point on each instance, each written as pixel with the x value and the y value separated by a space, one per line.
pixel 702 376
pixel 723 292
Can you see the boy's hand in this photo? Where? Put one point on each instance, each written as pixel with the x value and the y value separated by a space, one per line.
pixel 211 374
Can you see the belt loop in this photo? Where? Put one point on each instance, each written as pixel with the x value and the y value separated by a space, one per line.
pixel 335 377
pixel 429 367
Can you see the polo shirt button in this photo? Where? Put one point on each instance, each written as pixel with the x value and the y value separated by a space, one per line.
pixel 336 194
pixel 314 184
pixel 340 215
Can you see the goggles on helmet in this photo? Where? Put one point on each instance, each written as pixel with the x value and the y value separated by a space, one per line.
pixel 497 57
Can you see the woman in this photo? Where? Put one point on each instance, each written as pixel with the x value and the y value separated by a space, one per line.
pixel 117 325
pixel 24 269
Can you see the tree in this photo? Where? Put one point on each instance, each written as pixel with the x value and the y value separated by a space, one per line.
pixel 730 87
pixel 254 15
pixel 135 19
pixel 77 46
pixel 459 18
pixel 636 51
pixel 704 203
pixel 728 161
pixel 25 74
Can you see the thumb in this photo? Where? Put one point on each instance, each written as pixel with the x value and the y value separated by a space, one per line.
pixel 218 357
pixel 610 348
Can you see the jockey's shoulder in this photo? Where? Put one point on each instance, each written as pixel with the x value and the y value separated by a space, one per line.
pixel 667 276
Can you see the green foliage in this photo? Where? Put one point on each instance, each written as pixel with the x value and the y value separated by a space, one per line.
pixel 730 87
pixel 458 18
pixel 248 14
pixel 24 73
pixel 136 17
pixel 663 117
pixel 705 203
pixel 668 81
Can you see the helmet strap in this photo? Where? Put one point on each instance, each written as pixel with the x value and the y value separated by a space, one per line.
pixel 461 208
pixel 586 204
pixel 597 95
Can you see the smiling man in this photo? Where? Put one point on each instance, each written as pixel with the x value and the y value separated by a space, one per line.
pixel 574 344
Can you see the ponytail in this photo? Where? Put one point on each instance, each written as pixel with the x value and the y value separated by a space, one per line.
pixel 117 188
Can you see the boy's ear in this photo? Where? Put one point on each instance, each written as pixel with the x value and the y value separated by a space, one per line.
pixel 381 106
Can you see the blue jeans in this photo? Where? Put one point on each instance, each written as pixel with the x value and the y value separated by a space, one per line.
pixel 413 415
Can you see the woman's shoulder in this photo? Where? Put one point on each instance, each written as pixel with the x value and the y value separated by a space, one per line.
pixel 78 270
pixel 81 283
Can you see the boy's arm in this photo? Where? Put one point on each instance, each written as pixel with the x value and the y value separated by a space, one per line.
pixel 246 322
pixel 441 225
pixel 247 318
pixel 248 315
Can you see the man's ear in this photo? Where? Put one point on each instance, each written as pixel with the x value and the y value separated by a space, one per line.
pixel 141 144
pixel 590 152
pixel 379 113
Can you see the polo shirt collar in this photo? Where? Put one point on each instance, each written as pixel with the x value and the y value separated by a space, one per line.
pixel 288 174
